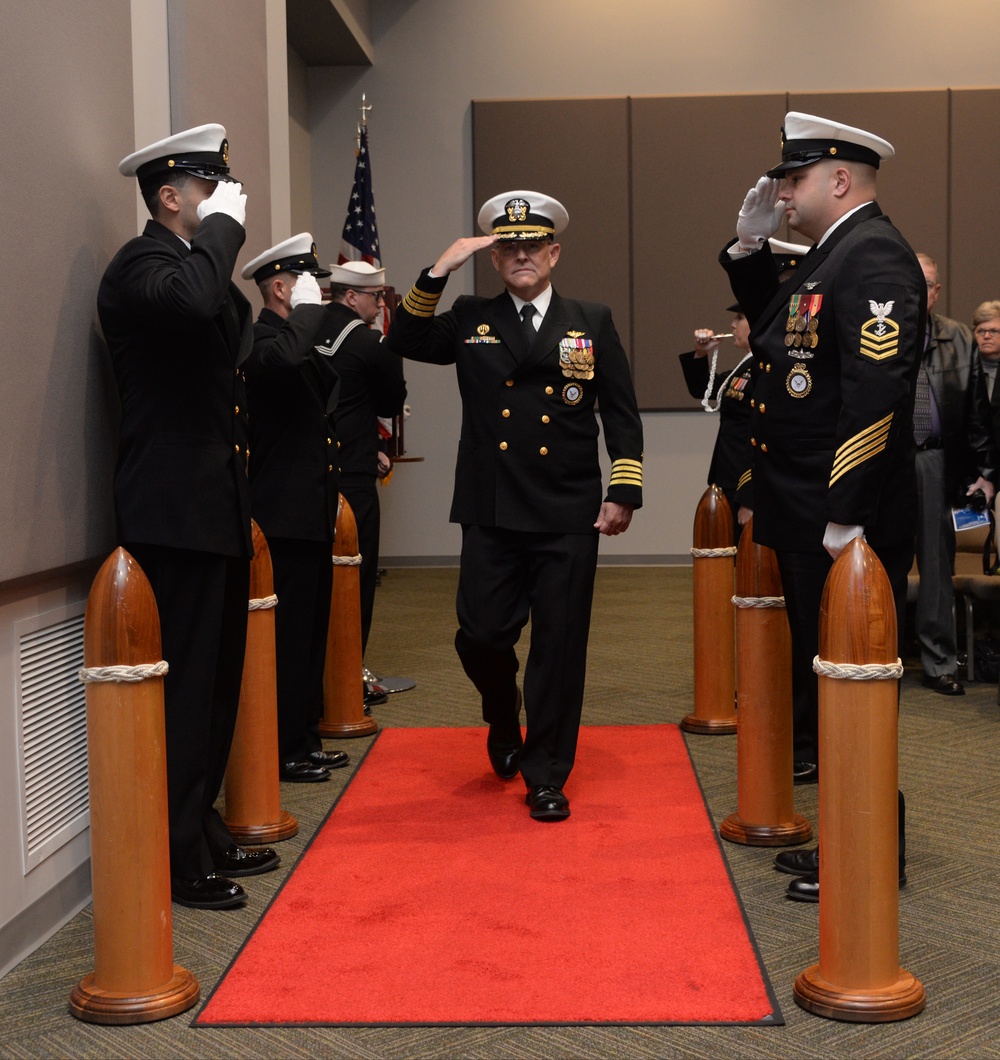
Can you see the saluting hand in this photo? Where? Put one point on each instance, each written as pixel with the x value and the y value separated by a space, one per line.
pixel 761 214
pixel 459 253
pixel 228 199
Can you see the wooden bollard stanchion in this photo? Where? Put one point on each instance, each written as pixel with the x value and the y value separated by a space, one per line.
pixel 714 637
pixel 343 688
pixel 135 979
pixel 858 977
pixel 765 808
pixel 253 810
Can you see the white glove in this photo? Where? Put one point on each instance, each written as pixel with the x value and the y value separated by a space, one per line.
pixel 227 199
pixel 761 214
pixel 838 537
pixel 306 291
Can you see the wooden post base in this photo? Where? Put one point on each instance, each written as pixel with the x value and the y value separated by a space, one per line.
pixel 785 834
pixel 92 1004
pixel 284 827
pixel 347 730
pixel 900 1001
pixel 709 726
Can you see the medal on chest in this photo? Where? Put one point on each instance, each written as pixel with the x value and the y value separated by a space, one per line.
pixel 802 325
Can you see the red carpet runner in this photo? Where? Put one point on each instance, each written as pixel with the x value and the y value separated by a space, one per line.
pixel 447 904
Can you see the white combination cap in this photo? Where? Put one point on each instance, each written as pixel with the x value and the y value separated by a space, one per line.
pixel 297 254
pixel 523 215
pixel 806 138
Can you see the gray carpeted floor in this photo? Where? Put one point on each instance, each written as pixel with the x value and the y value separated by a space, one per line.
pixel 639 672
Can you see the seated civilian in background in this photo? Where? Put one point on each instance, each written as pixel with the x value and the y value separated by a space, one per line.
pixel 292 388
pixel 986 331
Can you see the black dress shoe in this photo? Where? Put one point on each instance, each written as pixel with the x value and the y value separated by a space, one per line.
pixel 247 861
pixel 330 759
pixel 504 744
pixel 547 803
pixel 798 862
pixel 806 888
pixel 208 892
pixel 946 684
pixel 303 772
pixel 373 699
pixel 805 773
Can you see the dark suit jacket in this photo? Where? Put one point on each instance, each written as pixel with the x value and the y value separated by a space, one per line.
pixel 528 457
pixel 292 390
pixel 178 332
pixel 732 457
pixel 955 373
pixel 832 426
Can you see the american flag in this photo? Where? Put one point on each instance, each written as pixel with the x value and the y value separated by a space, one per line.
pixel 359 240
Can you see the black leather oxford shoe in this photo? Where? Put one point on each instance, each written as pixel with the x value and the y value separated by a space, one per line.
pixel 805 772
pixel 246 861
pixel 798 862
pixel 806 888
pixel 945 684
pixel 207 892
pixel 303 772
pixel 547 803
pixel 504 743
pixel 330 759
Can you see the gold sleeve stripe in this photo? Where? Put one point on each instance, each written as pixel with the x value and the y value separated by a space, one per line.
pixel 626 472
pixel 420 303
pixel 744 479
pixel 864 445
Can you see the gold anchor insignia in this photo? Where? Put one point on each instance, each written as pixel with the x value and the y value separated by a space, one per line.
pixel 225 152
pixel 483 329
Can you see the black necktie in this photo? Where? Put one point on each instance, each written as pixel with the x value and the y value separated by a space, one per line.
pixel 527 321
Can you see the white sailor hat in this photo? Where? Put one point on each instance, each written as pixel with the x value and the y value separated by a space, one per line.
pixel 787 255
pixel 358 275
pixel 297 255
pixel 805 139
pixel 523 215
pixel 202 151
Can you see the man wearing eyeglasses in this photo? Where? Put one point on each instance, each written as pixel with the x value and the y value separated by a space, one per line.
pixel 955 459
pixel 371 385
pixel 292 387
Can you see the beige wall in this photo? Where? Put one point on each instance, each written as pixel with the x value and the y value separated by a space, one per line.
pixel 433 57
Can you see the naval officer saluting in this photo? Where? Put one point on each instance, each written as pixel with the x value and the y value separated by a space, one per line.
pixel 836 351
pixel 179 333
pixel 528 490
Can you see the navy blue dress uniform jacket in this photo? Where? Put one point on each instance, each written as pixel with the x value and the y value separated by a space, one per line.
pixel 179 331
pixel 732 460
pixel 832 422
pixel 292 389
pixel 528 457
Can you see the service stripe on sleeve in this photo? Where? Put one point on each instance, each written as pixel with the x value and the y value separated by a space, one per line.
pixel 744 479
pixel 863 446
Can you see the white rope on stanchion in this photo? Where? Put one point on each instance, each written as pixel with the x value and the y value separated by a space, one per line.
pixel 859 671
pixel 713 553
pixel 759 601
pixel 124 674
pixel 347 561
pixel 264 603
